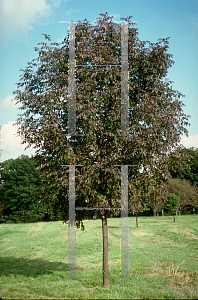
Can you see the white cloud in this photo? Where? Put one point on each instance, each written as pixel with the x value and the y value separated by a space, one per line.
pixel 116 16
pixel 57 3
pixel 7 103
pixel 17 16
pixel 11 143
pixel 191 141
pixel 60 40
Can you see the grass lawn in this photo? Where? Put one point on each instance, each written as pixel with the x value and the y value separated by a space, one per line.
pixel 162 254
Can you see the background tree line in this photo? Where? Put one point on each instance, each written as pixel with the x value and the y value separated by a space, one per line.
pixel 27 196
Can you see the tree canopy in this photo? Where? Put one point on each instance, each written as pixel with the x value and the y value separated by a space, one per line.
pixel 187 193
pixel 20 190
pixel 172 203
pixel 156 118
pixel 189 169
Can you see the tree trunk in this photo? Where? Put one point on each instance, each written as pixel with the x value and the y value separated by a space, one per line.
pixel 136 221
pixel 157 214
pixel 154 212
pixel 105 250
pixel 162 214
pixel 174 217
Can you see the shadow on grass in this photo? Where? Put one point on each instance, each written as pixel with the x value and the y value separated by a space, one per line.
pixel 113 226
pixel 30 267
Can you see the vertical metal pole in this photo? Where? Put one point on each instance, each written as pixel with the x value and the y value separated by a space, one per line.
pixel 72 83
pixel 124 222
pixel 124 80
pixel 124 237
pixel 71 230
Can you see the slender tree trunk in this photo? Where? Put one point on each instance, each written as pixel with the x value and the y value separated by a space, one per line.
pixel 174 216
pixel 162 214
pixel 154 212
pixel 105 250
pixel 136 220
pixel 157 214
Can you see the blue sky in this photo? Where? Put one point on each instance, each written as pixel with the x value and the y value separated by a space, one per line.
pixel 23 21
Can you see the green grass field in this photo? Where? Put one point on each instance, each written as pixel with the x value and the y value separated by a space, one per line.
pixel 162 254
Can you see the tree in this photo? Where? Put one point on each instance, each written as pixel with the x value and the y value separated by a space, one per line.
pixel 23 186
pixel 138 195
pixel 50 196
pixel 156 198
pixel 172 203
pixel 156 190
pixel 156 118
pixel 187 193
pixel 189 169
pixel 20 190
pixel 1 194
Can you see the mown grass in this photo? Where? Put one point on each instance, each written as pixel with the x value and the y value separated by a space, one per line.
pixel 162 254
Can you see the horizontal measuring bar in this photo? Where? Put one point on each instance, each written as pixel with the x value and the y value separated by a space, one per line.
pixel 97 208
pixel 98 65
pixel 71 165
pixel 96 162
pixel 72 21
pixel 69 135
pixel 129 22
pixel 123 165
pixel 111 134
